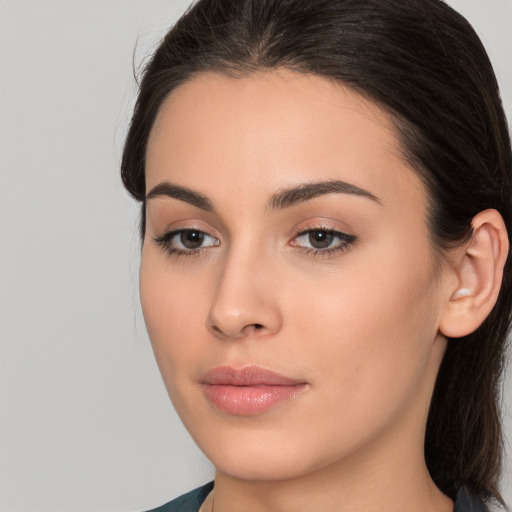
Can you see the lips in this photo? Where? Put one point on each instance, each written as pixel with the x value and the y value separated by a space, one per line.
pixel 250 390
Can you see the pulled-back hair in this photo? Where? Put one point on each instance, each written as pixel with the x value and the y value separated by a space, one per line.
pixel 422 63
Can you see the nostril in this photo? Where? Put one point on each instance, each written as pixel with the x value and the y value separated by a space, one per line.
pixel 245 331
pixel 251 329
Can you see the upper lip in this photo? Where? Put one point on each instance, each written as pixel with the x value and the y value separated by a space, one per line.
pixel 247 376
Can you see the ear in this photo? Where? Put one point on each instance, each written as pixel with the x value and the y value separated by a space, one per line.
pixel 478 267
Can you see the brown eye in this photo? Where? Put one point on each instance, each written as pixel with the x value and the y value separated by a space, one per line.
pixel 192 239
pixel 186 241
pixel 320 239
pixel 323 241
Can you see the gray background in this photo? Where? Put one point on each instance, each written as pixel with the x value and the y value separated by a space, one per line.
pixel 85 423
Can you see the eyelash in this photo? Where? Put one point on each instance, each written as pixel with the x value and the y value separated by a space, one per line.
pixel 346 241
pixel 165 242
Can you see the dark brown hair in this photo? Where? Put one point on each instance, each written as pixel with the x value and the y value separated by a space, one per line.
pixel 423 63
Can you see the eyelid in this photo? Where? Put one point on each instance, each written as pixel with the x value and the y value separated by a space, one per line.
pixel 320 225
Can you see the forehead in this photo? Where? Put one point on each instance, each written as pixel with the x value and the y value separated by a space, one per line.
pixel 274 129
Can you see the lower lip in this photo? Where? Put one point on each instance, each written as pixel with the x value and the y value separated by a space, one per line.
pixel 249 400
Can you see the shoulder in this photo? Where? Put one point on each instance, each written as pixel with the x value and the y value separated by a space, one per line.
pixel 189 502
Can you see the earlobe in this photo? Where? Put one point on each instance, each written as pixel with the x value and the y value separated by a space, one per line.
pixel 478 266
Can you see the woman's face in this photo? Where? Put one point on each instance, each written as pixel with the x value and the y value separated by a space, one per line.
pixel 288 281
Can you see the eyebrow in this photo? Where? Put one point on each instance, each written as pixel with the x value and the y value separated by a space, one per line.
pixel 188 195
pixel 307 191
pixel 281 200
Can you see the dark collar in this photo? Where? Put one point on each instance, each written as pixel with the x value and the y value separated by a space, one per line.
pixel 467 501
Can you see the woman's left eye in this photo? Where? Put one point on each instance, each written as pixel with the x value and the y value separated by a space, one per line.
pixel 323 240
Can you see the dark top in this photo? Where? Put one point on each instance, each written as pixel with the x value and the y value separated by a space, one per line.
pixel 190 502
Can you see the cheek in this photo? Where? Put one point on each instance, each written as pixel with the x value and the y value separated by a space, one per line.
pixel 175 323
pixel 368 333
pixel 172 312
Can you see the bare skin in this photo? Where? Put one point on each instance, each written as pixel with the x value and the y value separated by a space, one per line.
pixel 338 291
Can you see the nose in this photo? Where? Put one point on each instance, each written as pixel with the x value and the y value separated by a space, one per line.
pixel 245 302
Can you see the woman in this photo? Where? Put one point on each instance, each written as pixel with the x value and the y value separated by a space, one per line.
pixel 326 195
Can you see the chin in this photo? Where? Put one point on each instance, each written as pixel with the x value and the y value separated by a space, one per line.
pixel 260 465
pixel 262 454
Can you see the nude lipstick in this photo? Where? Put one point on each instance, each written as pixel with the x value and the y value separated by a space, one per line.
pixel 249 390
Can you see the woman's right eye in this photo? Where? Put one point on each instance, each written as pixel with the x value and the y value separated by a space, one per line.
pixel 186 241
